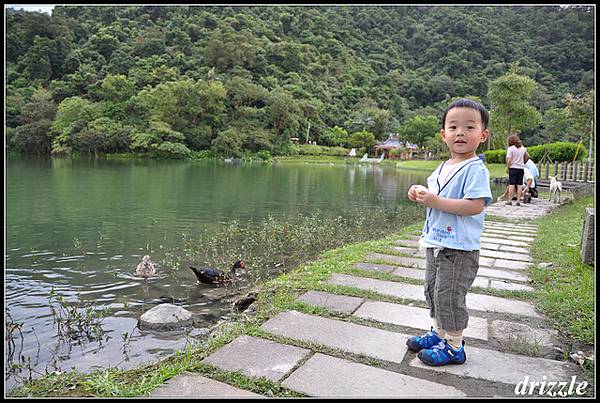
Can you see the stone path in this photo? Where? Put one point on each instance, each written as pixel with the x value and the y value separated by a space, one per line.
pixel 359 350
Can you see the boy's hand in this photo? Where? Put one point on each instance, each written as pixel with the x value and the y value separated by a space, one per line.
pixel 425 197
pixel 413 192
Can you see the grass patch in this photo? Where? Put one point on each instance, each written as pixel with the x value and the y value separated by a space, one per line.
pixel 565 290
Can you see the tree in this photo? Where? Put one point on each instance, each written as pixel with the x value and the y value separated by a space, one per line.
pixel 363 139
pixel 33 136
pixel 510 111
pixel 419 129
pixel 580 111
pixel 556 125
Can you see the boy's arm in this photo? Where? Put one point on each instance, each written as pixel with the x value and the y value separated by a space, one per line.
pixel 452 206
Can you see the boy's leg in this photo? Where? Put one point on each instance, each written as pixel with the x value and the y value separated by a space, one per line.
pixel 433 337
pixel 455 275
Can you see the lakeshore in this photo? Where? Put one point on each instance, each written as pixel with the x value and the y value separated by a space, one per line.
pixel 360 289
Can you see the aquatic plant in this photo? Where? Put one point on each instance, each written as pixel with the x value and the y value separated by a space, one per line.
pixel 76 323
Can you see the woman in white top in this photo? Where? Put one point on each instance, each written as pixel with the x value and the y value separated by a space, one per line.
pixel 516 154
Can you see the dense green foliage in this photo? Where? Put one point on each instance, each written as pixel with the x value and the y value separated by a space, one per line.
pixel 560 151
pixel 176 80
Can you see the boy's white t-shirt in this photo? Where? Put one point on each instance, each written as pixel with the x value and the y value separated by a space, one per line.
pixel 468 179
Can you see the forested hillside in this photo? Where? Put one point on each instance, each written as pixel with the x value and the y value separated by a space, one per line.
pixel 177 80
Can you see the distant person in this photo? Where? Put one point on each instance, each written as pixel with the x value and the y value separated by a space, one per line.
pixel 527 186
pixel 458 190
pixel 481 156
pixel 535 173
pixel 515 163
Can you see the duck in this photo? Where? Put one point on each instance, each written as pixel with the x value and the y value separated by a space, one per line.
pixel 146 268
pixel 208 275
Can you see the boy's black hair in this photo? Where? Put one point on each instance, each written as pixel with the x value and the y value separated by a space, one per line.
pixel 467 103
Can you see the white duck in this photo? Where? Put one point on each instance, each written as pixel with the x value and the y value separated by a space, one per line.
pixel 146 267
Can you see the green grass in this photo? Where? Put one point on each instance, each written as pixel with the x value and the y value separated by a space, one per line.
pixel 496 170
pixel 566 289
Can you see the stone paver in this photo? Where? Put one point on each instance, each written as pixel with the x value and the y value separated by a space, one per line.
pixel 486 303
pixel 537 208
pixel 257 357
pixel 506 255
pixel 480 281
pixel 507 285
pixel 405 250
pixel 408 242
pixel 195 385
pixel 326 376
pixel 491 235
pixel 511 264
pixel 411 316
pixel 338 303
pixel 502 367
pixel 507 248
pixel 508 275
pixel 502 241
pixel 490 246
pixel 349 337
pixel 513 332
pixel 399 260
pixel 376 267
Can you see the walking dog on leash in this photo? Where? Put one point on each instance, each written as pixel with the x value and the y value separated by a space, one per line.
pixel 555 187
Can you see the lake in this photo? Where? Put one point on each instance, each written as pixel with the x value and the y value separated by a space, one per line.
pixel 80 227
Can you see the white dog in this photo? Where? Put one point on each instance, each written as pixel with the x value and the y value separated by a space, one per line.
pixel 555 187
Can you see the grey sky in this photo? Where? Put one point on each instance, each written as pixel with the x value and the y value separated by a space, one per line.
pixel 45 8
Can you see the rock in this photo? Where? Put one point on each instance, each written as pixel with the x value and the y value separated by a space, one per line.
pixel 165 317
pixel 544 265
pixel 244 302
pixel 198 332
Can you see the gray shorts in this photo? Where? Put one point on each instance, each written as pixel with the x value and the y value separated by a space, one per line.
pixel 447 280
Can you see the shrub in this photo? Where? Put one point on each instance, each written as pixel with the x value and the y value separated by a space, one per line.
pixel 559 151
pixel 315 150
pixel 495 156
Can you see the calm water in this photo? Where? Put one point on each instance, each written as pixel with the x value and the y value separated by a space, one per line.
pixel 81 226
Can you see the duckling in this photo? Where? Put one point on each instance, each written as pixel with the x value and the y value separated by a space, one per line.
pixel 146 267
pixel 208 275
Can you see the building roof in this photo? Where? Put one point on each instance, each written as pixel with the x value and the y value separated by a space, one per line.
pixel 391 142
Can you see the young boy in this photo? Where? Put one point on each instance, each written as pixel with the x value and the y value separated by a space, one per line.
pixel 458 190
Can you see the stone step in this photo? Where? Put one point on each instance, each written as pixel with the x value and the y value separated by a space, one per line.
pixel 415 317
pixel 503 241
pixel 485 303
pixel 505 234
pixel 501 367
pixel 506 255
pixel 513 228
pixel 256 357
pixel 349 337
pixel 415 262
pixel 485 247
pixel 195 385
pixel 333 302
pixel 408 242
pixel 526 239
pixel 326 376
pixel 480 281
pixel 512 332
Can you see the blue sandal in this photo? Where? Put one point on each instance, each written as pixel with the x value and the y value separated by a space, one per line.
pixel 443 354
pixel 428 340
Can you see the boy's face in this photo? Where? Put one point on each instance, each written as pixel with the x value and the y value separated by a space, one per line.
pixel 463 132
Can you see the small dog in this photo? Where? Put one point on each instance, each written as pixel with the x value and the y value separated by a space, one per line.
pixel 555 187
